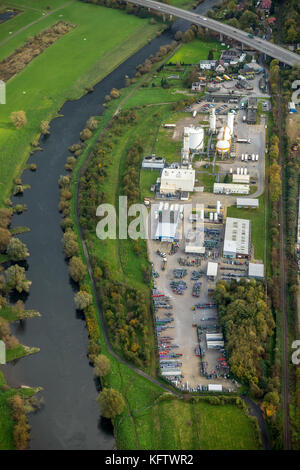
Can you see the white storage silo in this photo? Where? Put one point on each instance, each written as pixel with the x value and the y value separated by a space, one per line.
pixel 245 171
pixel 230 121
pixel 216 217
pixel 211 216
pixel 212 121
pixel 237 171
pixel 242 171
pixel 218 207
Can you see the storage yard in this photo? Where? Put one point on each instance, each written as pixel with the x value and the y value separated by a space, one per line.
pixel 190 341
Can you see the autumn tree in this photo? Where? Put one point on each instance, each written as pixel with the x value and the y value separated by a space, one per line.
pixel 101 365
pixel 17 250
pixel 111 403
pixel 18 119
pixel 77 269
pixel 45 127
pixel 70 243
pixel 82 300
pixel 5 237
pixel 16 278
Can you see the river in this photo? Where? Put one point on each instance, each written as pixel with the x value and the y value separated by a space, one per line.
pixel 69 418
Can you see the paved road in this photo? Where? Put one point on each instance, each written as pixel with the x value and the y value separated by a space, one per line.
pixel 261 45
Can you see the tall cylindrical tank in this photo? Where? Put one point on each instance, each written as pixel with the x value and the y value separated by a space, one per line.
pixel 242 171
pixel 230 171
pixel 245 171
pixel 202 214
pixel 212 121
pixel 237 171
pixel 216 217
pixel 218 207
pixel 211 216
pixel 230 121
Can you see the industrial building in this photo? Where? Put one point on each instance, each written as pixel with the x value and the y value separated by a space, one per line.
pixel 246 203
pixel 256 271
pixel 244 179
pixel 168 223
pixel 224 136
pixel 177 180
pixel 153 163
pixel 251 116
pixel 229 188
pixel 237 239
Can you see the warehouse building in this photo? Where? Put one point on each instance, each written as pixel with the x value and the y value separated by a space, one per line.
pixel 228 188
pixel 168 224
pixel 176 180
pixel 237 238
pixel 244 179
pixel 256 271
pixel 251 116
pixel 246 203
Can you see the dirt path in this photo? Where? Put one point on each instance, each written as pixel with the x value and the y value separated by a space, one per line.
pixel 35 21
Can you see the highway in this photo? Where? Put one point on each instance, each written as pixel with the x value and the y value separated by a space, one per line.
pixel 283 55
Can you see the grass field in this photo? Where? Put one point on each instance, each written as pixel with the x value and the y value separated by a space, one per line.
pixel 72 64
pixel 196 50
pixel 257 217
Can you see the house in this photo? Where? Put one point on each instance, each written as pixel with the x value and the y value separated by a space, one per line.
pixel 207 64
pixel 196 86
pixel 220 66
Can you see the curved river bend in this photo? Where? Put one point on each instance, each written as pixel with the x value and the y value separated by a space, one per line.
pixel 69 418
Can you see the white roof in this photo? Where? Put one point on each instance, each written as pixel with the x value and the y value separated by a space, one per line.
pixel 240 178
pixel 237 231
pixel 214 387
pixel 212 269
pixel 256 270
pixel 245 201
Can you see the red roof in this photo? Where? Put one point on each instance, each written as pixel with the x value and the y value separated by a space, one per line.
pixel 271 20
pixel 266 4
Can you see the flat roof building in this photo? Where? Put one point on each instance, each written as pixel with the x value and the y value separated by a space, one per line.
pixel 256 270
pixel 246 203
pixel 228 188
pixel 244 179
pixel 212 270
pixel 179 179
pixel 237 238
pixel 194 242
pixel 251 116
pixel 153 163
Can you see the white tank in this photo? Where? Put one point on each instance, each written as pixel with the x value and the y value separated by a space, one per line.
pixel 246 156
pixel 212 121
pixel 243 157
pixel 231 171
pixel 256 158
pixel 218 207
pixel 253 157
pixel 237 171
pixel 216 217
pixel 242 171
pixel 245 171
pixel 211 216
pixel 202 214
pixel 196 136
pixel 230 121
pixel 223 146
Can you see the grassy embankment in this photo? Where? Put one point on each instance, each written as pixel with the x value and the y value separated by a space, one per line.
pixel 72 65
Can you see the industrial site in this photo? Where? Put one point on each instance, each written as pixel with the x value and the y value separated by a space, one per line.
pixel 194 241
